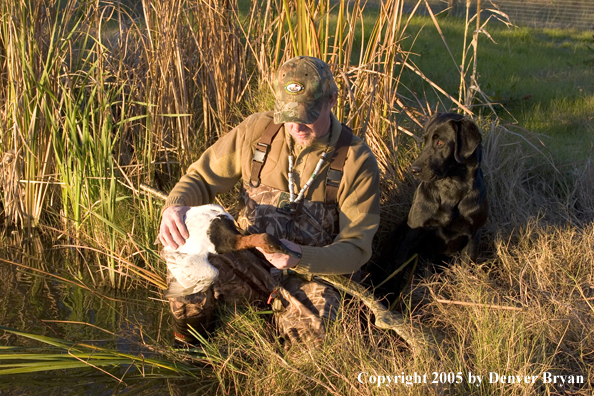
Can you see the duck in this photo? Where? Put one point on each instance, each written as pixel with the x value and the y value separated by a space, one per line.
pixel 212 230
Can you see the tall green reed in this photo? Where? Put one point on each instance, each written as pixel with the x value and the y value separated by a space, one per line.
pixel 29 71
pixel 66 111
pixel 98 101
pixel 369 79
pixel 65 354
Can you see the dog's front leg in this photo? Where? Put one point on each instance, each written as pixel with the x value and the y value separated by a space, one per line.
pixel 471 250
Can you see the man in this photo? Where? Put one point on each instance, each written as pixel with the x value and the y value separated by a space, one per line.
pixel 330 218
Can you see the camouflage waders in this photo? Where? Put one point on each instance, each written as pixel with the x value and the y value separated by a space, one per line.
pixel 245 277
pixel 242 279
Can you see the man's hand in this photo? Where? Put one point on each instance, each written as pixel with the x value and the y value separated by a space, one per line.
pixel 283 261
pixel 173 231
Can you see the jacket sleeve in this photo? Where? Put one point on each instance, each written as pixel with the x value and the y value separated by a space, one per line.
pixel 359 219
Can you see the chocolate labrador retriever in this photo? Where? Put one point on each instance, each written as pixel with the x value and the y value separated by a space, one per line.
pixel 450 204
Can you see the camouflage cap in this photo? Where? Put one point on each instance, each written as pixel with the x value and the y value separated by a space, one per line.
pixel 302 86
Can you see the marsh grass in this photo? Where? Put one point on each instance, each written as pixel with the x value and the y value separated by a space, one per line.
pixel 95 102
pixel 524 311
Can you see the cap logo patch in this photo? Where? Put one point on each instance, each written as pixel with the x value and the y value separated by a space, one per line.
pixel 293 87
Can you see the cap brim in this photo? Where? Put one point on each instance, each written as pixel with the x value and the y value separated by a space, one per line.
pixel 297 112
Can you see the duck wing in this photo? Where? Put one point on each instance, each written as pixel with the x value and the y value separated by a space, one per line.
pixel 192 271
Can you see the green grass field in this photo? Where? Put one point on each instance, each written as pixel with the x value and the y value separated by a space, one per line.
pixel 541 79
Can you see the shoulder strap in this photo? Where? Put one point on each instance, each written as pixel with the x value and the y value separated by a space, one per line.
pixel 262 148
pixel 335 172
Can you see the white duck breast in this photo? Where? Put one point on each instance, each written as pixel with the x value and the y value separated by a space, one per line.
pixel 189 263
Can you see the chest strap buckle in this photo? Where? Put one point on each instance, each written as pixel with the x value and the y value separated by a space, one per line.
pixel 261 152
pixel 334 177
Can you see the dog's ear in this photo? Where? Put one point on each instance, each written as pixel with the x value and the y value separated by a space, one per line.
pixel 468 138
pixel 430 122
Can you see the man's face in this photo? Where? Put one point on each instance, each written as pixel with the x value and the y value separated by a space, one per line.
pixel 305 134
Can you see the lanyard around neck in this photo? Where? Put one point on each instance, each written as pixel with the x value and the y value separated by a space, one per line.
pixel 324 158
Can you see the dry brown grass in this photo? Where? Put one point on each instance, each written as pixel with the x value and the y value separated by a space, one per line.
pixel 527 307
pixel 526 311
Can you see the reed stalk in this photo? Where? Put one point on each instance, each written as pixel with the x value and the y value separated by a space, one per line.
pixel 81 355
pixel 27 90
pixel 98 101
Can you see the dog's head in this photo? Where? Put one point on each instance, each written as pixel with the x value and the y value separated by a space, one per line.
pixel 451 141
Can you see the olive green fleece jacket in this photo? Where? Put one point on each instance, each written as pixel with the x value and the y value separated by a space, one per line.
pixel 229 159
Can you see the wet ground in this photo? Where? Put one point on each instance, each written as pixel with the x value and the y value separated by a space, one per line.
pixel 42 295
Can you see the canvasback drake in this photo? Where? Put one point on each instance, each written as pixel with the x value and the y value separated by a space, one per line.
pixel 212 231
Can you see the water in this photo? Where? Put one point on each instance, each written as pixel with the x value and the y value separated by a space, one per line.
pixel 40 295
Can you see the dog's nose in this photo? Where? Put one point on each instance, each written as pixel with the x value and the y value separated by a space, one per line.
pixel 415 169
